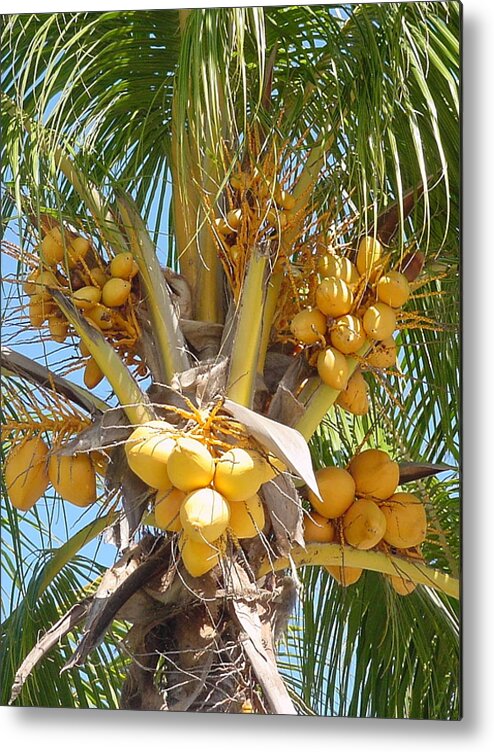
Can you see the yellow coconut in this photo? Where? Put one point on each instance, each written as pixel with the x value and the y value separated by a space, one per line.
pixel 98 277
pixel 274 466
pixel 204 515
pixel 318 529
pixel 92 374
pixel 334 297
pixel 355 397
pixel 86 297
pixel 379 321
pixel 332 368
pixel 247 517
pixel 348 335
pixel 240 473
pixel 401 585
pixel 77 250
pixel 30 284
pixel 51 248
pixel 284 199
pixel 121 265
pixel 240 181
pixel 375 474
pixel 190 465
pixel 148 450
pixel 26 473
pixel 234 219
pixel 59 328
pixel 345 576
pixel 44 280
pixel 337 490
pixel 74 478
pixel 331 265
pixel 308 326
pixel 364 524
pixel 198 557
pixel 83 348
pixel 276 218
pixel 383 354
pixel 406 520
pixel 393 289
pixel 116 292
pixel 101 316
pixel 167 509
pixel 368 255
pixel 221 226
pixel 39 311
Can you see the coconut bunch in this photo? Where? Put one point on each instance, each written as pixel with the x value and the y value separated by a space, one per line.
pixel 204 490
pixel 360 506
pixel 259 207
pixel 355 315
pixel 30 468
pixel 105 294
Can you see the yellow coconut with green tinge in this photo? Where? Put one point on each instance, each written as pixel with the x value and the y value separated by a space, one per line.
pixel 148 450
pixel 332 368
pixel 190 465
pixel 240 473
pixel 26 473
pixel 247 518
pixel 74 478
pixel 337 490
pixel 198 557
pixel 167 509
pixel 204 515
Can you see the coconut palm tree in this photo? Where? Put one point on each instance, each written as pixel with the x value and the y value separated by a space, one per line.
pixel 228 157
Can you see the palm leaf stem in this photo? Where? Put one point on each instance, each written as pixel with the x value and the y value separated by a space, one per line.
pixel 334 554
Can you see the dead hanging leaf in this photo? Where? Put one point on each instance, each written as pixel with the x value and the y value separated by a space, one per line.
pixel 415 470
pixel 284 442
pixel 285 512
pixel 106 431
pixel 388 222
pixel 285 408
pixel 135 493
pixel 203 336
pixel 115 592
pixel 52 637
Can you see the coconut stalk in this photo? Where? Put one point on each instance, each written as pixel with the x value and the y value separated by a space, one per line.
pixel 268 313
pixel 322 397
pixel 166 328
pixel 134 402
pixel 248 332
pixel 334 554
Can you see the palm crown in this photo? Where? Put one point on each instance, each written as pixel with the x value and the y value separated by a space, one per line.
pixel 228 157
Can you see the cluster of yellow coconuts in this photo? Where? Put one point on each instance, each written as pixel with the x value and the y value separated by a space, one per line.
pixel 267 201
pixel 96 289
pixel 201 493
pixel 30 468
pixel 361 505
pixel 356 305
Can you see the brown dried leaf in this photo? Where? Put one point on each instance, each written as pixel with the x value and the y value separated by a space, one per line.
pixel 285 512
pixel 415 470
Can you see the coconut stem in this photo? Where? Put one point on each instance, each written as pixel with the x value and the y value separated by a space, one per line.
pixel 323 397
pixel 245 352
pixel 334 554
pixel 270 306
